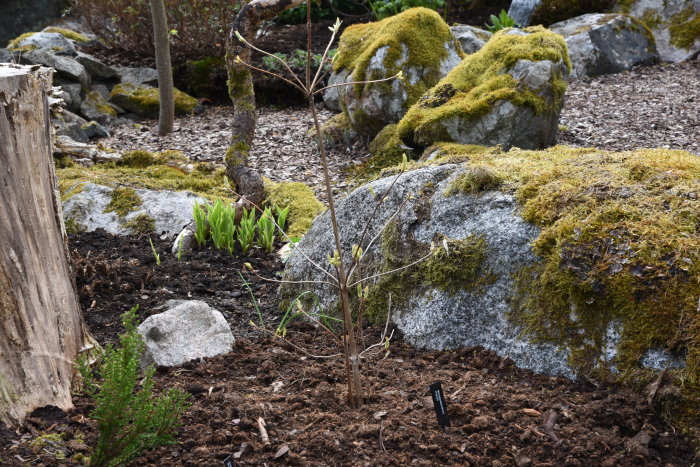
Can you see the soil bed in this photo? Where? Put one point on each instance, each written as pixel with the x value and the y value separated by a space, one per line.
pixel 499 413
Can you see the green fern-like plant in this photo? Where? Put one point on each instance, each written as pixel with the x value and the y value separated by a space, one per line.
pixel 130 419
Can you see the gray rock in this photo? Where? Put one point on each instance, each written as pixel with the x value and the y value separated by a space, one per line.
pixel 186 331
pixel 70 125
pixel 65 66
pixel 67 146
pixel 95 107
pixel 171 210
pixel 96 69
pixel 138 76
pixel 6 56
pixel 74 90
pixel 522 10
pixel 95 130
pixel 432 318
pixel 606 43
pixel 331 96
pixel 101 89
pixel 660 17
pixel 49 42
pixel 471 38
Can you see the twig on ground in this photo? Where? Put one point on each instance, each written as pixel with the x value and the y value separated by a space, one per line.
pixel 263 431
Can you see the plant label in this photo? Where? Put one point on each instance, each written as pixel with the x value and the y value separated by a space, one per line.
pixel 440 404
pixel 228 462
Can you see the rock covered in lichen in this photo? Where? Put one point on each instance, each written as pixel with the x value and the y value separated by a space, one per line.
pixel 95 107
pixel 417 42
pixel 606 43
pixel 510 93
pixel 675 24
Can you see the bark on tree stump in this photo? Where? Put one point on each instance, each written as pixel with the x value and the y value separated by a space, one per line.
pixel 41 328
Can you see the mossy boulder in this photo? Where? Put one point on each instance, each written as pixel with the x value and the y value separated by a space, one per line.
pixel 51 41
pixel 675 24
pixel 145 101
pixel 510 93
pixel 417 42
pixel 606 43
pixel 471 38
pixel 570 261
pixel 95 107
pixel 546 12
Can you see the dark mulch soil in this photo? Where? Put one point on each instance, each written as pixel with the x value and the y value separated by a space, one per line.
pixel 500 415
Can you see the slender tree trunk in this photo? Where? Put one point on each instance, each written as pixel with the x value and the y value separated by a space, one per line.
pixel 161 37
pixel 41 329
pixel 248 181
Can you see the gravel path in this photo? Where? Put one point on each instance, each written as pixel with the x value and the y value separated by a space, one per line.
pixel 655 106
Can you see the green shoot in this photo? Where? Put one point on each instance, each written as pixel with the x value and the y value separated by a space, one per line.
pixel 155 253
pixel 200 222
pixel 246 284
pixel 246 230
pixel 266 230
pixel 281 216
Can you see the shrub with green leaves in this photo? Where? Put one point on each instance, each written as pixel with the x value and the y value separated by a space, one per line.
pixel 129 419
pixel 384 8
pixel 502 21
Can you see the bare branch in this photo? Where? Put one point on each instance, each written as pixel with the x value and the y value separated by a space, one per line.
pixel 243 39
pixel 358 82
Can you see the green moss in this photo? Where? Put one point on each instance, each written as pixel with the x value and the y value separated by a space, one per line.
pixel 303 205
pixel 386 150
pixel 47 439
pixel 685 28
pixel 651 18
pixel 123 202
pixel 461 268
pixel 481 80
pixel 200 77
pixel 237 153
pixel 73 226
pixel 141 223
pixel 146 101
pixel 240 83
pixel 207 181
pixel 337 129
pixel 63 161
pixel 68 34
pixel 474 180
pixel 137 159
pixel 421 30
pixel 100 103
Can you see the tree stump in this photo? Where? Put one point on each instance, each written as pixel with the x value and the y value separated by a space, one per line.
pixel 41 328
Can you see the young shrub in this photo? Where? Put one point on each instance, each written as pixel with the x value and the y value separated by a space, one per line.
pixel 129 420
pixel 502 21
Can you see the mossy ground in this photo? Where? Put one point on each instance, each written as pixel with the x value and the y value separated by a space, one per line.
pixel 421 30
pixel 124 201
pixel 303 205
pixel 386 150
pixel 619 245
pixel 481 79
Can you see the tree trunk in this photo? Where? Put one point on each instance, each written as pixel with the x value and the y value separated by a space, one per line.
pixel 41 329
pixel 248 182
pixel 161 37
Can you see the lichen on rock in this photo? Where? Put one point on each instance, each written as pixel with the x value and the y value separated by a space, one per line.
pixel 508 93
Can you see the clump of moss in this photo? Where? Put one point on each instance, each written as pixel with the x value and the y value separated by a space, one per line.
pixel 69 34
pixel 423 33
pixel 146 101
pixel 685 28
pixel 141 223
pixel 303 205
pixel 124 201
pixel 386 150
pixel 73 226
pixel 474 180
pixel 651 19
pixel 207 182
pixel 337 129
pixel 96 99
pixel 138 158
pixel 14 43
pixel 63 161
pixel 461 267
pixel 481 79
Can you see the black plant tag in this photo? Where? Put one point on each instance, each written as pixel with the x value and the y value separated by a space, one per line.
pixel 440 404
pixel 228 462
